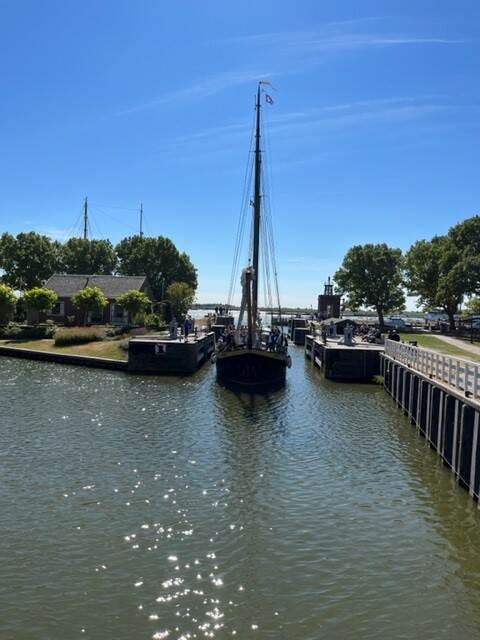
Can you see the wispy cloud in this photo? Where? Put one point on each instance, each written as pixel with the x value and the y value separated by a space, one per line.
pixel 287 53
pixel 208 86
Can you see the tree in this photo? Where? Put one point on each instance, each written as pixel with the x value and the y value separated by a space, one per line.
pixel 472 306
pixel 465 236
pixel 88 256
pixel 158 259
pixel 8 301
pixel 436 273
pixel 28 259
pixel 371 276
pixel 89 299
pixel 180 297
pixel 134 302
pixel 40 299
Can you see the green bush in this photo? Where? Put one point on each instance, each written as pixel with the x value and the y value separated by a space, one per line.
pixel 8 301
pixel 27 332
pixel 78 335
pixel 153 321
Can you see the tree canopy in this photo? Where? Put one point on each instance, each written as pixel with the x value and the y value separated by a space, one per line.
pixel 8 300
pixel 180 297
pixel 40 298
pixel 371 276
pixel 88 256
pixel 158 259
pixel 89 299
pixel 28 259
pixel 134 302
pixel 439 272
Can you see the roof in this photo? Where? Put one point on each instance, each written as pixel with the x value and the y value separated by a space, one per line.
pixel 66 285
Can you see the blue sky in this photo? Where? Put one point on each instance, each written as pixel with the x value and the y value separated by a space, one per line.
pixel 374 133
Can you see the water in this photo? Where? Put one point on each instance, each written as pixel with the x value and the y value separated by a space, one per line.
pixel 140 508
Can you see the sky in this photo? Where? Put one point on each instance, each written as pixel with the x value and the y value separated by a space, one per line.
pixel 373 135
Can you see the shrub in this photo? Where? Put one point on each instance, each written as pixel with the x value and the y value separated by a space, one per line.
pixel 78 335
pixel 27 332
pixel 153 321
pixel 8 300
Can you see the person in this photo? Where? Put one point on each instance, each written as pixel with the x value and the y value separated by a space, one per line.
pixel 173 326
pixel 186 328
pixel 394 335
pixel 216 311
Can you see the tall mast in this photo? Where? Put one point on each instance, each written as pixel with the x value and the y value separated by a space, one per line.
pixel 256 211
pixel 85 218
pixel 141 219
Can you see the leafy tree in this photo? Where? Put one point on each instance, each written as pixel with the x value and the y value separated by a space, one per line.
pixel 8 300
pixel 135 302
pixel 89 299
pixel 466 238
pixel 28 259
pixel 88 256
pixel 40 299
pixel 180 296
pixel 472 306
pixel 158 259
pixel 437 274
pixel 371 276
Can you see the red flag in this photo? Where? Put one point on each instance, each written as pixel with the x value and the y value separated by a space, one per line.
pixel 268 98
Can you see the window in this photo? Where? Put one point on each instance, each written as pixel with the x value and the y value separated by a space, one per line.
pixel 58 309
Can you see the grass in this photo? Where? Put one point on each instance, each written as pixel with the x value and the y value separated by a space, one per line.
pixel 437 344
pixel 69 336
pixel 104 349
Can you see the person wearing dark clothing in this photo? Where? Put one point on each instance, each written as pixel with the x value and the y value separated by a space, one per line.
pixel 394 335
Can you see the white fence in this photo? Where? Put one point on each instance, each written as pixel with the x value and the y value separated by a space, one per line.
pixel 464 375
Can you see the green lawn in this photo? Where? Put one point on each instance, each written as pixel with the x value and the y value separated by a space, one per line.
pixel 436 344
pixel 101 349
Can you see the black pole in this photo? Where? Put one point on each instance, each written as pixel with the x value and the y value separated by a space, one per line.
pixel 85 218
pixel 256 212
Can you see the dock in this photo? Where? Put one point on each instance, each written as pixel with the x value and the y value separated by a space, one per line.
pixel 157 354
pixel 359 362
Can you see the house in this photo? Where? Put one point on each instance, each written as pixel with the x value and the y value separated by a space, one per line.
pixel 67 285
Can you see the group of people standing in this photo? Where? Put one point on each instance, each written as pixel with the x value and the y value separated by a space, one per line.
pixel 277 340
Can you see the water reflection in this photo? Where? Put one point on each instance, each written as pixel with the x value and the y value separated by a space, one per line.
pixel 156 507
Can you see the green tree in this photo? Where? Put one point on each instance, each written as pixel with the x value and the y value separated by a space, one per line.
pixel 180 297
pixel 89 299
pixel 472 306
pixel 28 259
pixel 88 256
pixel 135 302
pixel 371 276
pixel 8 301
pixel 465 237
pixel 158 259
pixel 436 272
pixel 40 298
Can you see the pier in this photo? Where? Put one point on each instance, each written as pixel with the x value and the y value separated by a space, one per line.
pixel 441 396
pixel 359 362
pixel 169 356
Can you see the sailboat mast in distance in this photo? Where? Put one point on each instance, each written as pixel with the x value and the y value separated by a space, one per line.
pixel 85 218
pixel 256 211
pixel 141 220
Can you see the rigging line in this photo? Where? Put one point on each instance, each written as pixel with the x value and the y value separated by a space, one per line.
pixel 241 222
pixel 112 206
pixel 115 219
pixel 71 229
pixel 271 238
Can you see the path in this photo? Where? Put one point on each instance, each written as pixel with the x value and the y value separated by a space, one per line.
pixel 461 344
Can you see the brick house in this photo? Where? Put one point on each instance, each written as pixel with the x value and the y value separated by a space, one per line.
pixel 66 285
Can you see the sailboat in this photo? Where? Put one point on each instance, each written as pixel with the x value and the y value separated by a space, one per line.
pixel 243 360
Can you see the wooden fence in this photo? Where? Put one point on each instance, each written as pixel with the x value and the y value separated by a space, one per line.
pixel 462 374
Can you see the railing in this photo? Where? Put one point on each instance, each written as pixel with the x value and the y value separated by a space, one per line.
pixel 461 374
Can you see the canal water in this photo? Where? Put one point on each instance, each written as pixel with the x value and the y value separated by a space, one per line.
pixel 145 508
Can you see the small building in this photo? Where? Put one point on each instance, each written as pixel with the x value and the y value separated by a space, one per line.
pixel 328 302
pixel 67 285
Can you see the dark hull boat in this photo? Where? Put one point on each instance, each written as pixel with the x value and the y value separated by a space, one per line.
pixel 243 361
pixel 252 369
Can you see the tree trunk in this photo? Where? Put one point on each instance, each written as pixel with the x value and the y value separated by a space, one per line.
pixel 451 319
pixel 381 320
